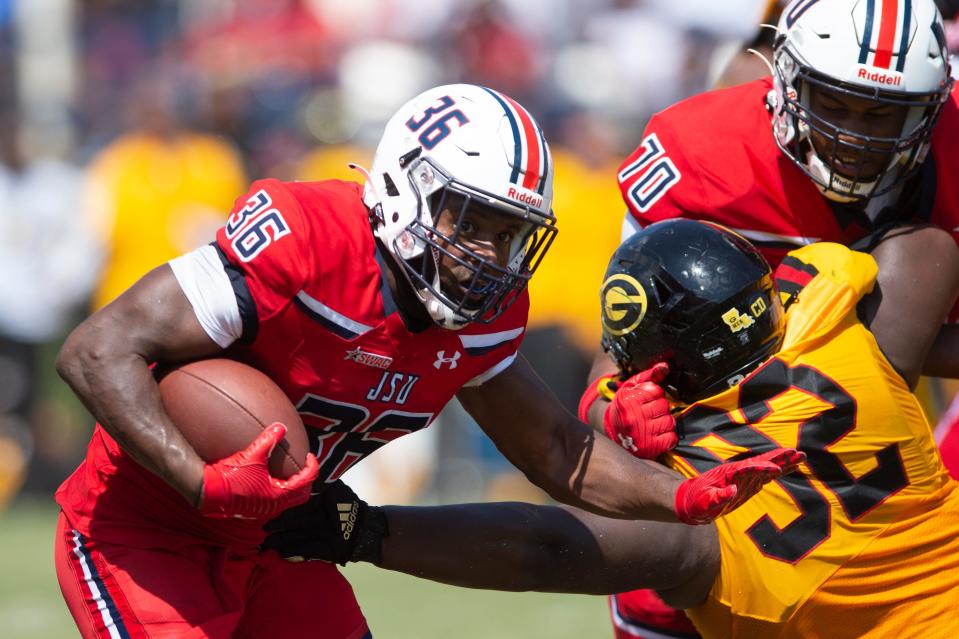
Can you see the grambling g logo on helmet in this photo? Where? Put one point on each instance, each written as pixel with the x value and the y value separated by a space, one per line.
pixel 624 304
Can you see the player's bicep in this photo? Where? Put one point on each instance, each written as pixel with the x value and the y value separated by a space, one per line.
pixel 218 295
pixel 155 320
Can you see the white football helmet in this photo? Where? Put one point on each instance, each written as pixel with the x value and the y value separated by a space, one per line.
pixel 890 51
pixel 462 146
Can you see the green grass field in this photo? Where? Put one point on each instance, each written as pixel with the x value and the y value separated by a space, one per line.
pixel 397 607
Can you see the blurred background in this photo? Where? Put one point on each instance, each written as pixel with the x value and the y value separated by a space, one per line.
pixel 127 128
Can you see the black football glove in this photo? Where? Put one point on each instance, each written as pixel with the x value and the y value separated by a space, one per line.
pixel 334 525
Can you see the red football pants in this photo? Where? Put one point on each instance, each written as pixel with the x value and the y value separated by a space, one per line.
pixel 200 592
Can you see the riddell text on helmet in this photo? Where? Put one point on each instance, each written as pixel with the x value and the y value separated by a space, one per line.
pixel 525 197
pixel 889 79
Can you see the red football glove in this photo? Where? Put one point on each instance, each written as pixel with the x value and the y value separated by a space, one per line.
pixel 638 418
pixel 241 485
pixel 726 487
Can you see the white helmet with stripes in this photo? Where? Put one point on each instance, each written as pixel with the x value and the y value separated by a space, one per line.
pixel 889 55
pixel 462 147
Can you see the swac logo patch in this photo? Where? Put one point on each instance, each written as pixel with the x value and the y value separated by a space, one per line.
pixel 367 358
pixel 624 304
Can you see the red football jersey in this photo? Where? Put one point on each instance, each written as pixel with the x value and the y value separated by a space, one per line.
pixel 319 319
pixel 713 157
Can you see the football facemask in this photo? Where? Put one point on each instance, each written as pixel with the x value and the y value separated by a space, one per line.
pixel 475 276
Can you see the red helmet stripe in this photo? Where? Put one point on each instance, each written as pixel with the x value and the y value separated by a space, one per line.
pixel 887 33
pixel 531 143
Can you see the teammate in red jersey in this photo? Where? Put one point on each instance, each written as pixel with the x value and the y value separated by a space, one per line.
pixel 370 307
pixel 855 131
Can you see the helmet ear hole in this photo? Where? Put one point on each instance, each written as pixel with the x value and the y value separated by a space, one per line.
pixel 391 189
pixel 663 292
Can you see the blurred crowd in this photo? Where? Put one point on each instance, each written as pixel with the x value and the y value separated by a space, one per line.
pixel 127 128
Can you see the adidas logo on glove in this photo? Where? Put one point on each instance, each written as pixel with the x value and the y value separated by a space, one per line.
pixel 348 511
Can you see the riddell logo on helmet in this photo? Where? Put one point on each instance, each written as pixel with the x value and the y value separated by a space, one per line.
pixel 887 78
pixel 526 197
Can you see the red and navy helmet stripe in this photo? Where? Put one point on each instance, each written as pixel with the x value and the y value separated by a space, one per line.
pixel 891 21
pixel 542 178
pixel 796 11
pixel 530 154
pixel 867 32
pixel 904 37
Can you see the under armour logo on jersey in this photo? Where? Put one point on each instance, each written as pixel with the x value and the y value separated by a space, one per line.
pixel 627 442
pixel 441 359
pixel 347 512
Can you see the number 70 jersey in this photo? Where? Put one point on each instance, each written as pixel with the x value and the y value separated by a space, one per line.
pixel 871 488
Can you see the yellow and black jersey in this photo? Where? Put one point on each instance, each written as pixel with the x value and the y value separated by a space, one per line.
pixel 856 527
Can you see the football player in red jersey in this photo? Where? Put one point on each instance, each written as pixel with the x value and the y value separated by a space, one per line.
pixel 855 131
pixel 371 307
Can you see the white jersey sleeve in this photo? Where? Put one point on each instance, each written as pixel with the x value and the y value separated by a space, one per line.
pixel 206 284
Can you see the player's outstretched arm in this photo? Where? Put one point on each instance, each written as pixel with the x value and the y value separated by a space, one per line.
pixel 578 466
pixel 105 360
pixel 504 546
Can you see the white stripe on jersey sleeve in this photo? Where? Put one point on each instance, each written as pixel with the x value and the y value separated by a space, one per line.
pixel 490 339
pixel 630 226
pixel 490 373
pixel 207 286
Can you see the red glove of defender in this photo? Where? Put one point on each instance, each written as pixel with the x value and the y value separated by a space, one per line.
pixel 638 418
pixel 728 486
pixel 241 485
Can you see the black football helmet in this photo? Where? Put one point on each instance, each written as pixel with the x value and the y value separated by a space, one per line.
pixel 696 296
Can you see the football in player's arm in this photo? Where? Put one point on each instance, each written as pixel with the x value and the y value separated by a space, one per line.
pixel 828 550
pixel 371 307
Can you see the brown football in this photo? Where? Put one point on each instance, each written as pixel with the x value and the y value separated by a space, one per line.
pixel 221 406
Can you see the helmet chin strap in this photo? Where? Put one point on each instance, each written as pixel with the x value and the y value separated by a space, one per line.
pixel 365 174
pixel 822 171
pixel 825 176
pixel 371 198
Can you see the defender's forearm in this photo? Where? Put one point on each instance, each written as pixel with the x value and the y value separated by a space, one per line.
pixel 521 547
